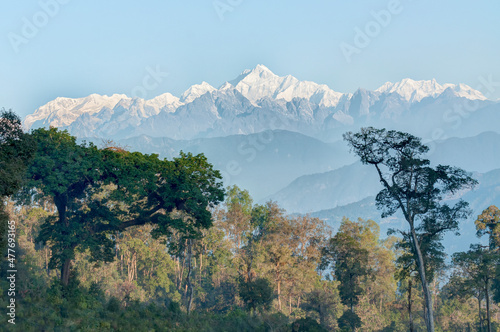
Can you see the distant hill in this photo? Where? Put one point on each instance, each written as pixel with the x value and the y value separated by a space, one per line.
pixel 479 153
pixel 315 192
pixel 485 194
pixel 262 163
pixel 353 183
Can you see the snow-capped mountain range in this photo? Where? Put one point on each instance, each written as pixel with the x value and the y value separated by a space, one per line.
pixel 256 100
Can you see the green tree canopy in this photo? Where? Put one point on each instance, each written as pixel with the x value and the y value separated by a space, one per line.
pixel 16 150
pixel 488 222
pixel 349 260
pixel 101 191
pixel 477 267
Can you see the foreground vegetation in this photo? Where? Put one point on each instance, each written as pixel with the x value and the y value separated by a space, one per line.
pixel 111 240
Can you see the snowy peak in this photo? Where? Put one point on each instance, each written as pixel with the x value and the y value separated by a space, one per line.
pixel 165 99
pixel 261 82
pixel 415 91
pixel 63 111
pixel 247 104
pixel 259 73
pixel 196 91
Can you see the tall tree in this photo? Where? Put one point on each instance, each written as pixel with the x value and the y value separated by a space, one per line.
pixel 16 150
pixel 239 210
pixel 434 256
pixel 98 192
pixel 412 186
pixel 478 267
pixel 488 223
pixel 349 260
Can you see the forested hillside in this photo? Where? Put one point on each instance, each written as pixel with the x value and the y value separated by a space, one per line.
pixel 105 239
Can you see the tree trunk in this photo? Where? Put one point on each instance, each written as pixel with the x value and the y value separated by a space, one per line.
pixel 487 295
pixel 279 295
pixel 181 271
pixel 135 265
pixel 201 264
pixel 47 261
pixel 189 285
pixel 410 315
pixel 429 317
pixel 61 202
pixel 480 316
pixel 322 318
pixel 65 270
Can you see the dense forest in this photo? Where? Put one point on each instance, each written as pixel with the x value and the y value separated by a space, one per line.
pixel 103 239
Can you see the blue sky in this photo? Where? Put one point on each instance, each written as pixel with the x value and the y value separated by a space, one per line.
pixel 106 47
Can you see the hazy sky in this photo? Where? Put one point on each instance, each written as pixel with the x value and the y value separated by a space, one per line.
pixel 72 48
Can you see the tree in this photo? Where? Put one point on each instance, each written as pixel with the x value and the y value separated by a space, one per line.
pixel 412 186
pixel 487 259
pixel 257 294
pixel 239 210
pixel 349 321
pixel 323 302
pixel 488 222
pixel 307 324
pixel 478 267
pixel 349 261
pixel 16 151
pixel 380 287
pixel 99 192
pixel 433 256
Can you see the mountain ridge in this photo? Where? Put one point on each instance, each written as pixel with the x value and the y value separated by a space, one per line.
pixel 250 103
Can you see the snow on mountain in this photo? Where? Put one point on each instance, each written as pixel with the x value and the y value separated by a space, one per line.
pixel 415 91
pixel 165 101
pixel 259 100
pixel 63 111
pixel 261 83
pixel 196 91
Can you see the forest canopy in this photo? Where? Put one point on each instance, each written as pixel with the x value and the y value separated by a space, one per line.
pixel 110 239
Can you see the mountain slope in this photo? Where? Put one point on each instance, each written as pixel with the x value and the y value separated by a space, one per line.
pixel 355 182
pixel 485 194
pixel 262 163
pixel 315 192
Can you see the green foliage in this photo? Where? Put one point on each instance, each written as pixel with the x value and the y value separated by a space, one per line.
pixel 113 304
pixel 412 186
pixel 150 251
pixel 257 294
pixel 349 261
pixel 432 251
pixel 349 321
pixel 323 303
pixel 496 286
pixel 307 325
pixel 16 151
pixel 488 223
pixel 98 192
